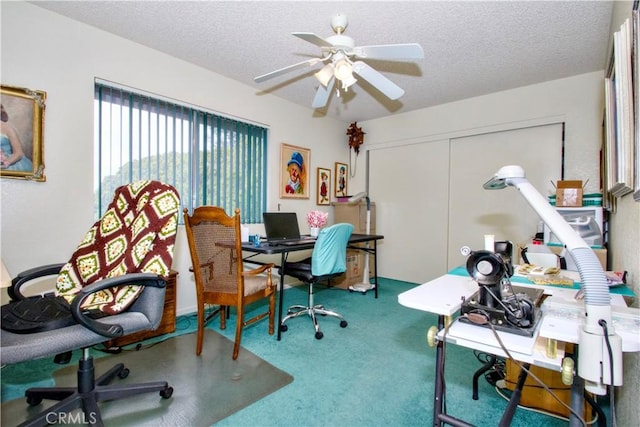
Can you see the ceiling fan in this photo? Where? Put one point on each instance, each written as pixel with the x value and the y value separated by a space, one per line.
pixel 342 60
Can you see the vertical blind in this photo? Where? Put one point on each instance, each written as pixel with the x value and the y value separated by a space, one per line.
pixel 208 158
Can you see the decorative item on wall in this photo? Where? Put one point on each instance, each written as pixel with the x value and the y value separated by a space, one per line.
pixel 356 139
pixel 636 98
pixel 620 117
pixel 341 171
pixel 294 179
pixel 323 183
pixel 607 170
pixel 22 133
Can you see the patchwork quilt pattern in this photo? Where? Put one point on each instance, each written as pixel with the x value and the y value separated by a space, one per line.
pixel 136 234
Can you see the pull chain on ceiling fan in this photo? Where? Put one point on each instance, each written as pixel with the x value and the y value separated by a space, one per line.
pixel 341 59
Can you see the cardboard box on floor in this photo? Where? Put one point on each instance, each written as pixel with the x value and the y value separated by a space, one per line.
pixel 355 270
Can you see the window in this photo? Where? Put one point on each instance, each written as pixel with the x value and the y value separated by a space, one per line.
pixel 208 158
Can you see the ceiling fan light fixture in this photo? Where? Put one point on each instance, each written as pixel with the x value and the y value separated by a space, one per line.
pixel 343 70
pixel 348 82
pixel 325 74
pixel 342 60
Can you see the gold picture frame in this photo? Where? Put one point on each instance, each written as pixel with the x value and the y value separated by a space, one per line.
pixel 22 147
pixel 294 166
pixel 323 186
pixel 341 171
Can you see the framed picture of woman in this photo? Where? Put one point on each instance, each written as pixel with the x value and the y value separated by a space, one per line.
pixel 341 174
pixel 21 133
pixel 323 191
pixel 294 176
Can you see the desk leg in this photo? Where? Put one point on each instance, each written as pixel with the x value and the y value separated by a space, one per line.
pixel 375 266
pixel 283 258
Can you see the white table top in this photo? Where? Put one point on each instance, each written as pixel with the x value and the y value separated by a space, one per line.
pixel 443 295
pixel 524 349
pixel 561 320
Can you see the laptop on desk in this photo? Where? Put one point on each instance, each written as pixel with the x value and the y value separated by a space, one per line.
pixel 282 229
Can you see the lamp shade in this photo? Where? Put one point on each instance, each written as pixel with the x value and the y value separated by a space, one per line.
pixel 343 70
pixel 325 74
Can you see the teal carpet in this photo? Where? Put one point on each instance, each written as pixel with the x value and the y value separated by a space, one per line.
pixel 378 371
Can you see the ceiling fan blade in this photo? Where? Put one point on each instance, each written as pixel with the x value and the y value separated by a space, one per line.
pixel 323 94
pixel 390 51
pixel 377 80
pixel 312 38
pixel 281 71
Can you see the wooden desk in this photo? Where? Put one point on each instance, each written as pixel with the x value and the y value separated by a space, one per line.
pixel 167 323
pixel 268 249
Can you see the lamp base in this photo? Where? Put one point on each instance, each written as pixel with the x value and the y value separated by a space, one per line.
pixel 361 287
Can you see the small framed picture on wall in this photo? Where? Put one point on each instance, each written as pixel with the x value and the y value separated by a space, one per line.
pixel 22 126
pixel 323 182
pixel 294 179
pixel 341 171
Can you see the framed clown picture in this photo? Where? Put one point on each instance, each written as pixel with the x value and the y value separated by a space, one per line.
pixel 323 186
pixel 341 174
pixel 294 172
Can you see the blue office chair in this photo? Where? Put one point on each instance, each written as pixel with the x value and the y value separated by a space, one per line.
pixel 328 260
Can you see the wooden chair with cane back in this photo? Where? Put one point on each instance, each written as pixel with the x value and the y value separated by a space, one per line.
pixel 221 279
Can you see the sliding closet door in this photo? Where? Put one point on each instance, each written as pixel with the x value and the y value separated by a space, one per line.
pixel 473 211
pixel 409 187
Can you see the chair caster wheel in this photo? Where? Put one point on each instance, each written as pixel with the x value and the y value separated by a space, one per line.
pixel 166 393
pixel 319 335
pixel 123 374
pixel 343 323
pixel 284 328
pixel 33 400
pixel 63 358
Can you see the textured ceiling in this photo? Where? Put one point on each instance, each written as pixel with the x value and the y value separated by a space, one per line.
pixel 471 48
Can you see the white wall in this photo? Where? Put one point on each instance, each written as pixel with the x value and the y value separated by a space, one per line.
pixel 577 101
pixel 43 222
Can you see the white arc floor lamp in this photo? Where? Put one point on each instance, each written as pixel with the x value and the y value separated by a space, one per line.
pixel 600 355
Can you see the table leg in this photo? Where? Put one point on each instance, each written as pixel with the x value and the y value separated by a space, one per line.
pixel 375 266
pixel 440 418
pixel 438 395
